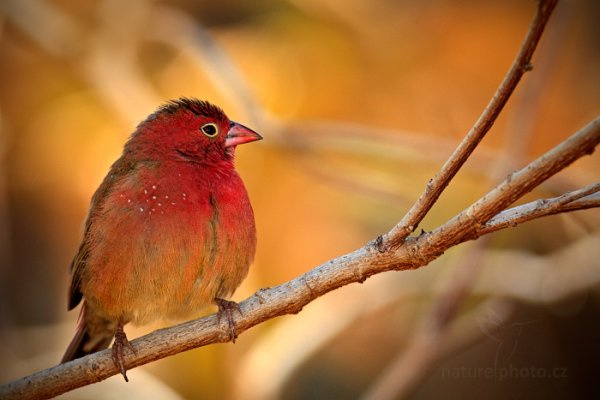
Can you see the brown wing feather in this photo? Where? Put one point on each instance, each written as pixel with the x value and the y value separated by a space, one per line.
pixel 122 167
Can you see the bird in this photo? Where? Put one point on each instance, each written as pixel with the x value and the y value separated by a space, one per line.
pixel 170 230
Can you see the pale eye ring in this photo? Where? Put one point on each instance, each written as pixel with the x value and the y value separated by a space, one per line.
pixel 211 129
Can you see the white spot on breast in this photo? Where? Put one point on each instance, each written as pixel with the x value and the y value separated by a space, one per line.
pixel 141 209
pixel 145 191
pixel 154 187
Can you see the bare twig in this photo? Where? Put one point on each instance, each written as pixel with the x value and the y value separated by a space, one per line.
pixel 523 181
pixel 470 224
pixel 587 197
pixel 435 187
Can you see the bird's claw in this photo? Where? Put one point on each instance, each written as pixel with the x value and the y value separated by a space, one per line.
pixel 120 343
pixel 226 308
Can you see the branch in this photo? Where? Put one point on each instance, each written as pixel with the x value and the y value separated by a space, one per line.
pixel 436 186
pixel 469 222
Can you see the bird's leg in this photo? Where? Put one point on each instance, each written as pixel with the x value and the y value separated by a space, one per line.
pixel 117 350
pixel 226 308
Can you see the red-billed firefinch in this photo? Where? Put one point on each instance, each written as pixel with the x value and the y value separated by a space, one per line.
pixel 169 230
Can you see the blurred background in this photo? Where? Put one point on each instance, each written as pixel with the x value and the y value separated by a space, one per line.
pixel 359 102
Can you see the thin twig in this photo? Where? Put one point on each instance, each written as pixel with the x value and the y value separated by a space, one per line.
pixel 587 197
pixel 436 186
pixel 470 222
pixel 521 182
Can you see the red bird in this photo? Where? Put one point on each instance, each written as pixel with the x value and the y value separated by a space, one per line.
pixel 170 229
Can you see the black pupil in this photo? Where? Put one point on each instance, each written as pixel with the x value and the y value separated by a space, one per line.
pixel 209 129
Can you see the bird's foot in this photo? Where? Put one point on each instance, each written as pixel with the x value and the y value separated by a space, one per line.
pixel 226 308
pixel 120 343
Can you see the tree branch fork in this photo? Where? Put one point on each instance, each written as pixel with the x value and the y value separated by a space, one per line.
pixel 394 251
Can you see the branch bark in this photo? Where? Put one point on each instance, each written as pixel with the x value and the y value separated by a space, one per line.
pixel 587 197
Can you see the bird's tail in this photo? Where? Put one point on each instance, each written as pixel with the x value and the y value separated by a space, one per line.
pixel 93 334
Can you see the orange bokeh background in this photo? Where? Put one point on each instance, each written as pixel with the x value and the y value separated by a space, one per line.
pixel 359 103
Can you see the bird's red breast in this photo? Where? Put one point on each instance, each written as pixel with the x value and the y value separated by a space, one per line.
pixel 166 244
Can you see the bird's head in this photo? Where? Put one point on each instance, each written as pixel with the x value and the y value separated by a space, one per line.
pixel 189 130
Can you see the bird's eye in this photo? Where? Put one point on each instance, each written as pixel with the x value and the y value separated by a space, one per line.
pixel 210 129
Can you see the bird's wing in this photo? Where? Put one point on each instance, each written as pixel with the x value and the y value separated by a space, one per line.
pixel 121 168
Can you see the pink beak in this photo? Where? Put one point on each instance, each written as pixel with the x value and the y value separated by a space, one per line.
pixel 239 134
